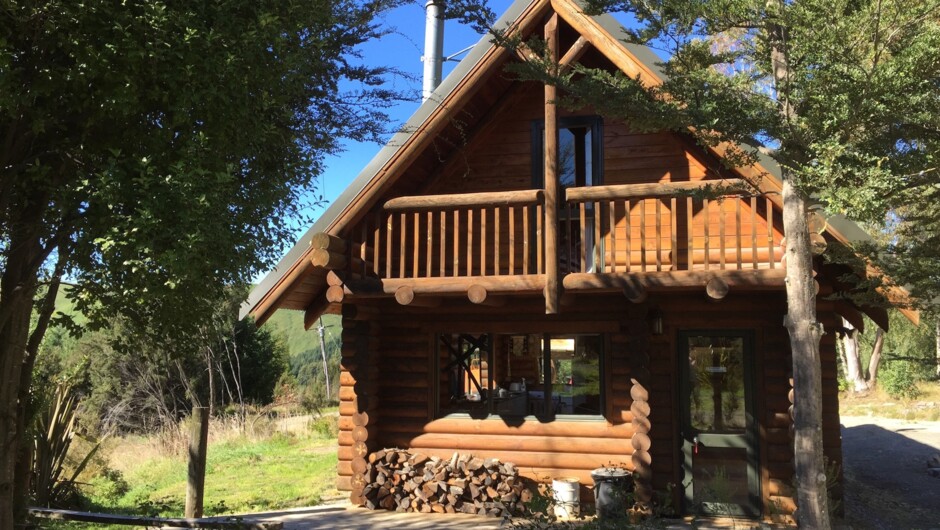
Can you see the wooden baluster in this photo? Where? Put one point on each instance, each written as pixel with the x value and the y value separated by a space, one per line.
pixel 512 240
pixel 689 226
pixel 388 245
pixel 430 243
pixel 627 212
pixel 673 228
pixel 582 207
pixel 496 241
pixel 737 224
pixel 456 242
pixel 482 241
pixel 443 271
pixel 377 239
pixel 705 208
pixel 469 241
pixel 659 235
pixel 364 249
pixel 598 237
pixel 539 237
pixel 525 239
pixel 754 232
pixel 569 252
pixel 770 234
pixel 402 245
pixel 612 209
pixel 721 232
pixel 642 235
pixel 417 247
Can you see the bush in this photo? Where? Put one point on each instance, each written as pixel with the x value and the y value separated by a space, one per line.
pixel 325 426
pixel 899 380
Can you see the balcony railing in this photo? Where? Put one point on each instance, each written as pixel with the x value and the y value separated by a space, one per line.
pixel 601 229
pixel 646 228
pixel 474 234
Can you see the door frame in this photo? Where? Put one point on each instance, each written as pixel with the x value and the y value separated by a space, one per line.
pixel 685 432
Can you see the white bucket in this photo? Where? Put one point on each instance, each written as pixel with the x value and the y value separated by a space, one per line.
pixel 566 492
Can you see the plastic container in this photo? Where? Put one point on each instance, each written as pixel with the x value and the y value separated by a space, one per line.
pixel 611 488
pixel 566 492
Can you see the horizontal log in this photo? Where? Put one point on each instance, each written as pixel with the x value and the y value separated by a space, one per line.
pixel 644 191
pixel 322 240
pixel 464 200
pixel 672 280
pixel 511 443
pixel 590 429
pixel 530 283
pixel 321 257
pixel 344 483
pixel 160 522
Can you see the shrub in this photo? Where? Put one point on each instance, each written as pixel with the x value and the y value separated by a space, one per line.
pixel 325 426
pixel 899 381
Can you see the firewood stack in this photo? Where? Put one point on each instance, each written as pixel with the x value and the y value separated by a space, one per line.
pixel 405 482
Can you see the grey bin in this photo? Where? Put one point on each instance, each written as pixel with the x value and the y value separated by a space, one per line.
pixel 611 488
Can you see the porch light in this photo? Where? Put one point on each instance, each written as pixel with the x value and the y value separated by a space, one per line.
pixel 655 317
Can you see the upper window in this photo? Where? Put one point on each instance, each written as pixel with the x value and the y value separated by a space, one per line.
pixel 580 164
pixel 542 375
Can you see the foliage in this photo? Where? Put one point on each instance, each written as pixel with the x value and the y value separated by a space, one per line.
pixel 53 432
pixel 325 426
pixel 157 152
pixel 899 380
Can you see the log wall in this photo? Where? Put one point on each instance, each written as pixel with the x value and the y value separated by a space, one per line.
pixel 639 428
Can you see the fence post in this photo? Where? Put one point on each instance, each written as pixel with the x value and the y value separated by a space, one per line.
pixel 196 478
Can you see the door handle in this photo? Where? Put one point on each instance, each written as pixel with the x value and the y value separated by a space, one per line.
pixel 695 445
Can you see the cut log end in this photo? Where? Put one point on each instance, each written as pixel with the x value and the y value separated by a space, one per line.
pixel 716 289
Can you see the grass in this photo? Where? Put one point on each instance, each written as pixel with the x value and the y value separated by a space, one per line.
pixel 244 473
pixel 877 403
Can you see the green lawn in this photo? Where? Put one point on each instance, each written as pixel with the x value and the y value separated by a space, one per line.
pixel 242 476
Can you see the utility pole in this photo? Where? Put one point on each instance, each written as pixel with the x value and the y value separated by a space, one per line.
pixel 326 370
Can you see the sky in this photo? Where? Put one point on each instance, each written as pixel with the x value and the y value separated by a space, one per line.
pixel 402 50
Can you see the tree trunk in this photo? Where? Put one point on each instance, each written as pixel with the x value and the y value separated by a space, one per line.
pixel 875 362
pixel 805 333
pixel 853 365
pixel 17 291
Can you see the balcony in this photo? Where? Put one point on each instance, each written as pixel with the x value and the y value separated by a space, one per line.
pixel 620 237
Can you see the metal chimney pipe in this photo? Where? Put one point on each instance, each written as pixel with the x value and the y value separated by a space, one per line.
pixel 433 46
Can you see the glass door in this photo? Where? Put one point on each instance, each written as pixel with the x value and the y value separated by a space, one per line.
pixel 717 427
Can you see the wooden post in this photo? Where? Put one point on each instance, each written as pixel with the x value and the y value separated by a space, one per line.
pixel 551 178
pixel 196 478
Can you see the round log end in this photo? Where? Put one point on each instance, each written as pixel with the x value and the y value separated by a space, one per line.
pixel 477 294
pixel 404 295
pixel 716 288
pixel 335 294
pixel 639 393
pixel 635 293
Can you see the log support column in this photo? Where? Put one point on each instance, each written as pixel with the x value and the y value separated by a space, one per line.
pixel 358 403
pixel 552 283
pixel 640 410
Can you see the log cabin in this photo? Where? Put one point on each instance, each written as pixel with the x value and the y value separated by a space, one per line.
pixel 541 285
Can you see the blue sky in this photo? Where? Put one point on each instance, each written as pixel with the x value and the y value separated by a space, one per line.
pixel 402 50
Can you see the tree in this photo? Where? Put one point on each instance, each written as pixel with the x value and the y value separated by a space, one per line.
pixel 155 152
pixel 843 94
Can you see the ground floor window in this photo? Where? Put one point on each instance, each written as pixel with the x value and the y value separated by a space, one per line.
pixel 518 375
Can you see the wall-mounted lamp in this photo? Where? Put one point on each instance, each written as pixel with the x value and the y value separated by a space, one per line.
pixel 655 318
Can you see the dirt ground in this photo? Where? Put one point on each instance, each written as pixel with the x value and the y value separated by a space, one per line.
pixel 885 465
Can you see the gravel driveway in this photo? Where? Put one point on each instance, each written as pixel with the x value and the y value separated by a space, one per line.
pixel 887 484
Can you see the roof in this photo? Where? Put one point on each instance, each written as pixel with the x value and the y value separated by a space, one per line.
pixel 602 31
